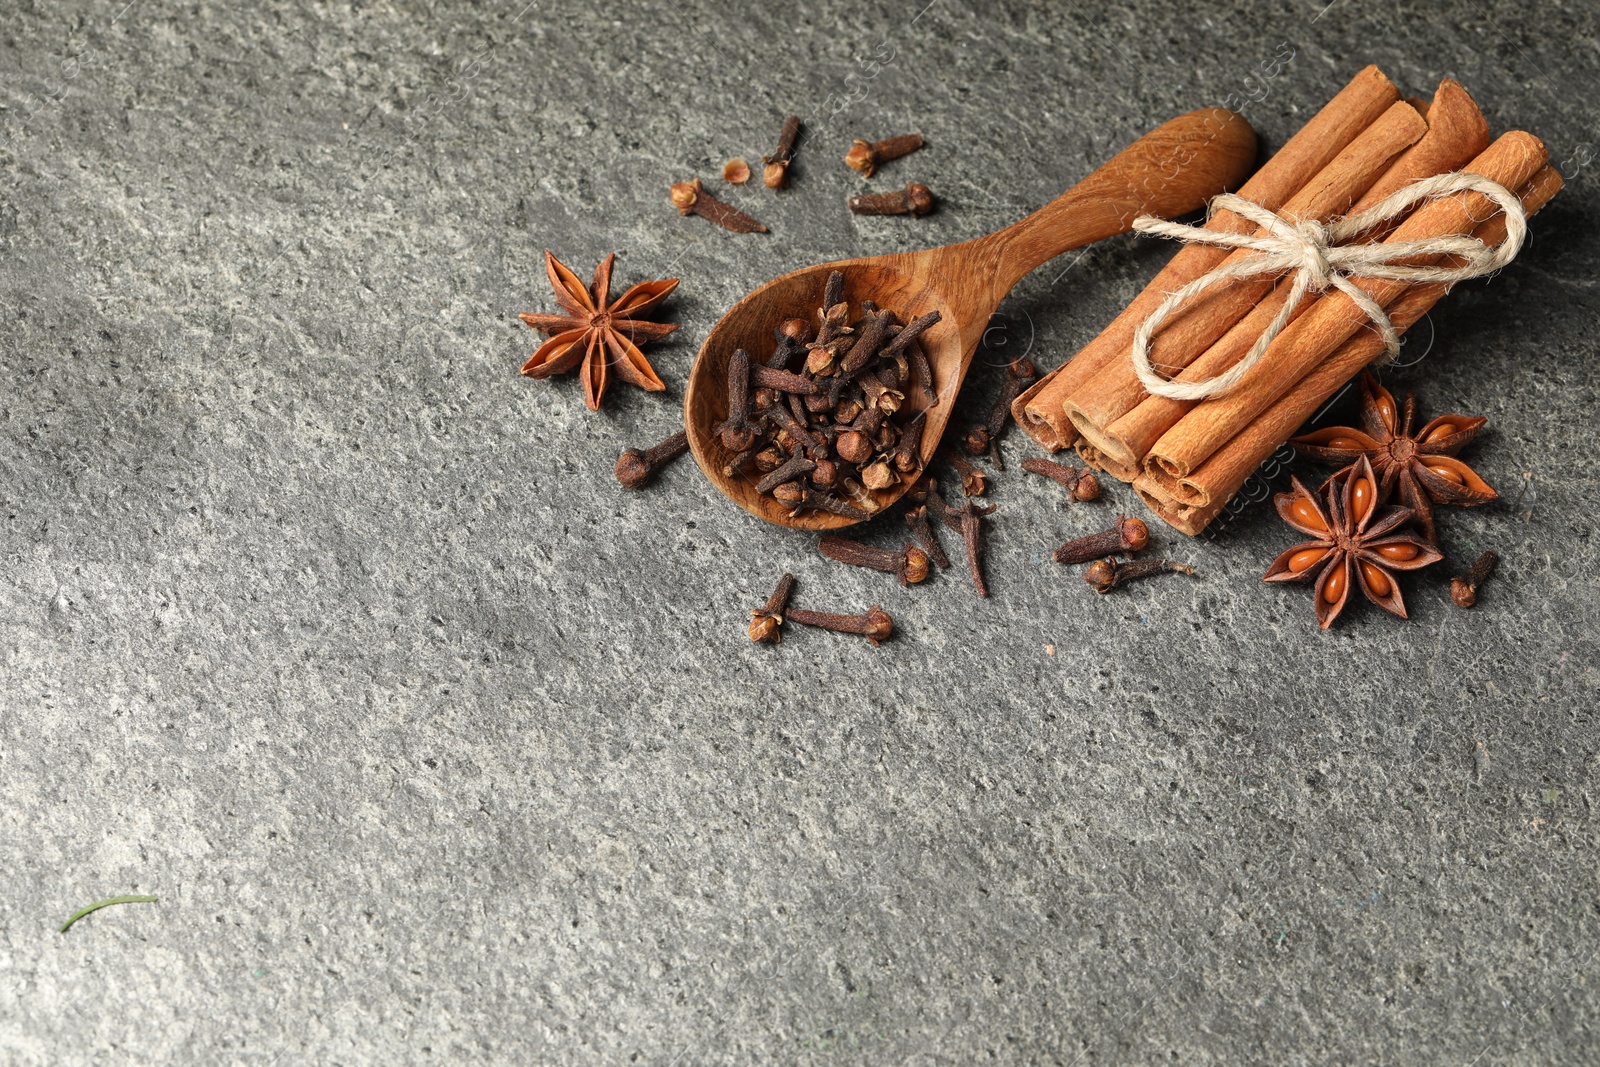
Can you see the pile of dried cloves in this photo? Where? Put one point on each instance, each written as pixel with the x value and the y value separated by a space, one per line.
pixel 823 419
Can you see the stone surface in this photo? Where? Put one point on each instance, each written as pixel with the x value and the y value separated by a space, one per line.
pixel 325 626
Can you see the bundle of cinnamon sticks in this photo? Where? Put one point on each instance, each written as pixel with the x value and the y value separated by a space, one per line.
pixel 1187 458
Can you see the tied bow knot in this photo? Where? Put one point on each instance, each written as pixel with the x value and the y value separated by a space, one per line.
pixel 1321 257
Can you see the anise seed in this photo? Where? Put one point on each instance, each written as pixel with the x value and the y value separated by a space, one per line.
pixel 1386 409
pixel 1362 499
pixel 1306 514
pixel 1447 474
pixel 1377 581
pixel 1301 562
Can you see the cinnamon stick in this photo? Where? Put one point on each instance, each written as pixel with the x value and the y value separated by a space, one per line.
pixel 1038 410
pixel 1193 330
pixel 1100 461
pixel 1190 503
pixel 1458 133
pixel 1511 160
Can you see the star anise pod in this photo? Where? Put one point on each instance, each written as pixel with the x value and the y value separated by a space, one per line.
pixel 1421 464
pixel 604 335
pixel 1354 541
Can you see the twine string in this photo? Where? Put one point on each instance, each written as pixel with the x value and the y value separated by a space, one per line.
pixel 1321 257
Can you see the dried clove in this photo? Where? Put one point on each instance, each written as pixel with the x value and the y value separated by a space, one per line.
pixel 799 498
pixel 910 564
pixel 878 476
pixel 766 622
pixel 1127 535
pixel 1464 587
pixel 985 437
pixel 739 461
pixel 866 155
pixel 963 520
pixel 908 453
pixel 691 198
pixel 875 625
pixel 776 173
pixel 914 199
pixel 736 171
pixel 868 343
pixel 880 394
pixel 833 290
pixel 1080 485
pixel 737 431
pixel 788 423
pixel 635 468
pixel 974 482
pixel 784 381
pixel 788 471
pixel 1106 574
pixel 922 531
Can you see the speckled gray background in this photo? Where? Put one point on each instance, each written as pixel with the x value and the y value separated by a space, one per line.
pixel 322 624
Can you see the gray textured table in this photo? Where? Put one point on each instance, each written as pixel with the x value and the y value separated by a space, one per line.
pixel 327 628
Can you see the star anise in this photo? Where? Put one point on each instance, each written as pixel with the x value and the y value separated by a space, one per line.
pixel 1354 541
pixel 1421 463
pixel 601 333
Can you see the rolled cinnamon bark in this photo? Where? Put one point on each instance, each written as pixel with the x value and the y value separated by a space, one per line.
pixel 1195 329
pixel 1355 107
pixel 1100 461
pixel 1189 504
pixel 1458 134
pixel 1511 160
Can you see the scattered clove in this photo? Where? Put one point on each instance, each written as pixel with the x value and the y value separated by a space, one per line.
pixel 635 468
pixel 985 437
pixel 691 198
pixel 1106 574
pixel 1080 485
pixel 1127 535
pixel 875 625
pixel 964 521
pixel 910 564
pixel 766 622
pixel 974 482
pixel 866 155
pixel 776 173
pixel 914 199
pixel 736 171
pixel 1464 587
pixel 922 532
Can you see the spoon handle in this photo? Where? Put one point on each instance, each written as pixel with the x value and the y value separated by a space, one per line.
pixel 1172 170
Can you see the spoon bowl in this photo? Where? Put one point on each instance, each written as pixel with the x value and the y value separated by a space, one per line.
pixel 1170 171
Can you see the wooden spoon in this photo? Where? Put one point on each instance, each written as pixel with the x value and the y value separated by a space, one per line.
pixel 1172 170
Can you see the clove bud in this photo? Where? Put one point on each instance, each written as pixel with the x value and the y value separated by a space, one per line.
pixel 691 198
pixel 914 199
pixel 635 468
pixel 865 156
